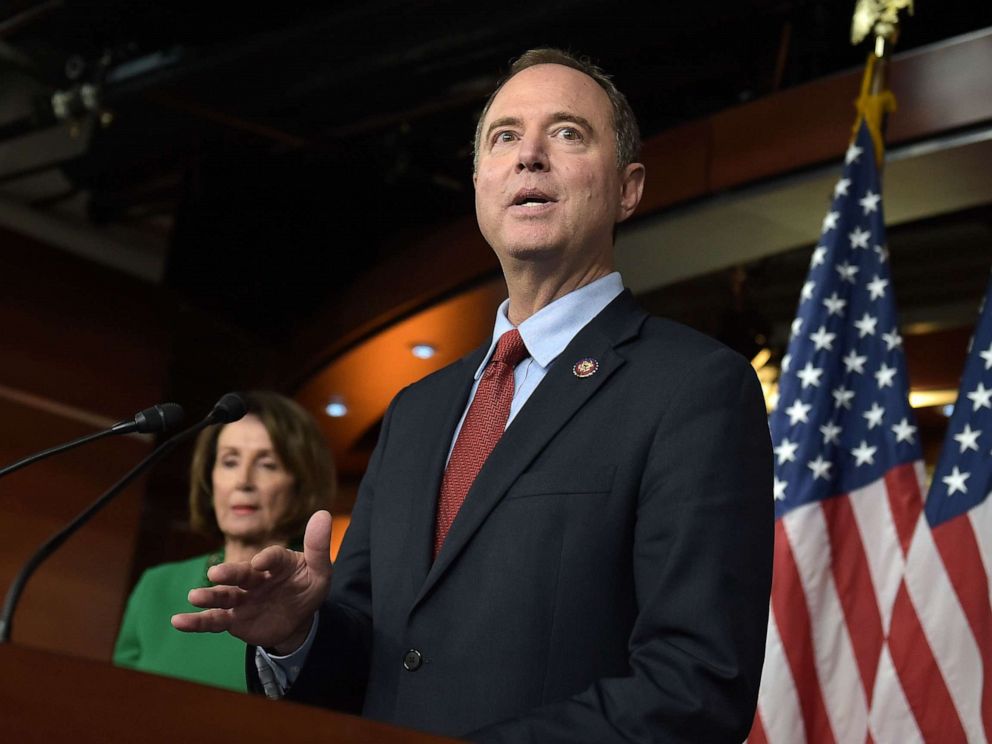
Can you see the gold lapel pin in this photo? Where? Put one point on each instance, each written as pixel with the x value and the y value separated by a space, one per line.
pixel 585 367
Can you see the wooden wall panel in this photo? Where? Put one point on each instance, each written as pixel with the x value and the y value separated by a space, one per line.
pixel 73 603
pixel 77 333
pixel 943 87
pixel 81 346
pixel 677 163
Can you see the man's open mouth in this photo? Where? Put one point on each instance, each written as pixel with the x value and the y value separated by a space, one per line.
pixel 531 198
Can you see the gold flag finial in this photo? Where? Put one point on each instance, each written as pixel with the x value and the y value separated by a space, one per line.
pixel 880 17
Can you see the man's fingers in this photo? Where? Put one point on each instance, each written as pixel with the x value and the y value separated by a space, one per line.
pixel 317 544
pixel 216 597
pixel 237 574
pixel 208 621
pixel 275 560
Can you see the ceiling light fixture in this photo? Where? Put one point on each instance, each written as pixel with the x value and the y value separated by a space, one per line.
pixel 336 407
pixel 932 397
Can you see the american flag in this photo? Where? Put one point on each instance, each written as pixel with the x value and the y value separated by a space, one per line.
pixel 949 567
pixel 862 645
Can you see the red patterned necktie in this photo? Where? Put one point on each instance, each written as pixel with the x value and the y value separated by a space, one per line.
pixel 483 426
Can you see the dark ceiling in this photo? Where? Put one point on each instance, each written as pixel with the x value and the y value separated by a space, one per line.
pixel 290 145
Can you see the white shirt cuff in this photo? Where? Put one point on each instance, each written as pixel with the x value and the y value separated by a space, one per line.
pixel 278 673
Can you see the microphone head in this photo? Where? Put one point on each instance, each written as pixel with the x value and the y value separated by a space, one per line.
pixel 231 407
pixel 163 417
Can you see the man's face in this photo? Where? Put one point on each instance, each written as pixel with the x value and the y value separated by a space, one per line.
pixel 547 187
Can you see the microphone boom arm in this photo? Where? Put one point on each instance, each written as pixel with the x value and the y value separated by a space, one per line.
pixel 225 411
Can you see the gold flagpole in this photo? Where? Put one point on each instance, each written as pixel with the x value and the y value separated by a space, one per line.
pixel 880 18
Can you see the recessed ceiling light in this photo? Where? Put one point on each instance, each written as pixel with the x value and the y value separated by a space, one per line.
pixel 423 351
pixel 336 407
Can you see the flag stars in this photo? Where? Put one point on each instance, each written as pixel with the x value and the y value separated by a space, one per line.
pixel 809 375
pixel 779 489
pixel 852 154
pixel 840 189
pixel 968 438
pixel 892 339
pixel 980 398
pixel 904 431
pixel 807 291
pixel 987 356
pixel 869 203
pixel 955 481
pixel 866 326
pixel 830 222
pixel 830 433
pixel 863 454
pixel 786 451
pixel 848 272
pixel 819 255
pixel 884 375
pixel 820 467
pixel 843 397
pixel 876 287
pixel 883 253
pixel 859 238
pixel 874 416
pixel 797 412
pixel 823 340
pixel 786 362
pixel 855 363
pixel 797 326
pixel 835 305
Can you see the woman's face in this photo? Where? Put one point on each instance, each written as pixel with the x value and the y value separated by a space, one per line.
pixel 252 488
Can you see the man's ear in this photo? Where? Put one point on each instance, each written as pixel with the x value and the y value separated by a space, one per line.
pixel 631 190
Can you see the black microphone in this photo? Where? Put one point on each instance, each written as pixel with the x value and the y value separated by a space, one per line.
pixel 158 418
pixel 230 407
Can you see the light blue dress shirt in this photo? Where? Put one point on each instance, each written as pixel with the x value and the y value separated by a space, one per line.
pixel 545 334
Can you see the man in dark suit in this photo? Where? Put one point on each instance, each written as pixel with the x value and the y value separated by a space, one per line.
pixel 599 572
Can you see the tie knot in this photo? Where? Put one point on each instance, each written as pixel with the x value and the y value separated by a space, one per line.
pixel 510 349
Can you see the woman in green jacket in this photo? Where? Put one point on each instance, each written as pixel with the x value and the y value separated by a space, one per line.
pixel 253 483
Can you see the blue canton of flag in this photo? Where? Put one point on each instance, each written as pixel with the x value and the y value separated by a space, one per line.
pixel 843 417
pixel 963 477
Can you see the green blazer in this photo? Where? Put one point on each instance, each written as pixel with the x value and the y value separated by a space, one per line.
pixel 148 642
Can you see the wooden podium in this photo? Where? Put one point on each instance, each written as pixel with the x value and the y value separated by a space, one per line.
pixel 46 697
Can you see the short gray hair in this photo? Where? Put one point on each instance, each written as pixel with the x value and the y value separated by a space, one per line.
pixel 624 122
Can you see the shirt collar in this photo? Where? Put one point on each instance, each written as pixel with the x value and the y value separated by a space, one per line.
pixel 547 332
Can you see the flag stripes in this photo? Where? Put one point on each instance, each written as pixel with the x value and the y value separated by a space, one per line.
pixel 792 616
pixel 958 546
pixel 855 589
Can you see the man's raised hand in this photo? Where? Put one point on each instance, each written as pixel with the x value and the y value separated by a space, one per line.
pixel 271 600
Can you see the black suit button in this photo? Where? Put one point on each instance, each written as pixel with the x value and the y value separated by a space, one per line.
pixel 412 660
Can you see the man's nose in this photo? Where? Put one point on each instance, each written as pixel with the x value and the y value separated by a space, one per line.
pixel 532 154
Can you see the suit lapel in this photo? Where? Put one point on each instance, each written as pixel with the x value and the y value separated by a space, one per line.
pixel 452 399
pixel 555 401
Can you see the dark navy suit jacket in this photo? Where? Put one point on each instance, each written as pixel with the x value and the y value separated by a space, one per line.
pixel 607 577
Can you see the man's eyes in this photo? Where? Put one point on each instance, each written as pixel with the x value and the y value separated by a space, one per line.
pixel 504 136
pixel 569 134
